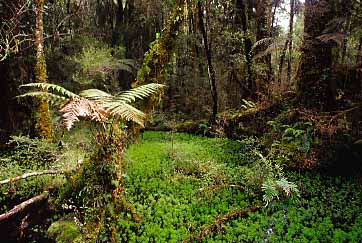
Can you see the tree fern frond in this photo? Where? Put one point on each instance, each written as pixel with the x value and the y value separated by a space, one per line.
pixel 336 37
pixel 51 87
pixel 125 111
pixel 81 107
pixel 96 95
pixel 49 96
pixel 271 47
pixel 262 42
pixel 139 92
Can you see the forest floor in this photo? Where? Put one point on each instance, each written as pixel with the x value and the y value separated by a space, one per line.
pixel 182 185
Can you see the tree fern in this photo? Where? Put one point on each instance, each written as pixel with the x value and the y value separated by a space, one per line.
pixel 95 104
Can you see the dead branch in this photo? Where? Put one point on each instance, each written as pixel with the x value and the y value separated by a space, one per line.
pixel 220 221
pixel 32 174
pixel 22 206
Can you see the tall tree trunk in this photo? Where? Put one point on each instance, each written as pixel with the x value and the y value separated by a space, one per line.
pixel 211 71
pixel 242 19
pixel 276 4
pixel 281 62
pixel 42 114
pixel 288 44
pixel 290 38
pixel 359 52
pixel 263 25
pixel 316 60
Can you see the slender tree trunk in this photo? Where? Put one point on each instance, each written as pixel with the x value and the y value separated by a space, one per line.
pixel 211 71
pixel 276 4
pixel 281 62
pixel 316 60
pixel 290 38
pixel 263 24
pixel 42 116
pixel 359 52
pixel 242 19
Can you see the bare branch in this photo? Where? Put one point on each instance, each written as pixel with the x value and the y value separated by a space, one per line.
pixel 22 206
pixel 32 174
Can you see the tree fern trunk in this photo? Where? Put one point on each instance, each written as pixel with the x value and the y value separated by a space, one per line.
pixel 42 114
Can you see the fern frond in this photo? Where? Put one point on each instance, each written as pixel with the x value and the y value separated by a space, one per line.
pixel 96 95
pixel 270 191
pixel 51 87
pixel 128 96
pixel 49 96
pixel 336 37
pixel 125 111
pixel 140 92
pixel 272 47
pixel 81 107
pixel 262 42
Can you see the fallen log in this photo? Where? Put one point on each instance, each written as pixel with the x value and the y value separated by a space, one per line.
pixel 22 206
pixel 219 222
pixel 32 174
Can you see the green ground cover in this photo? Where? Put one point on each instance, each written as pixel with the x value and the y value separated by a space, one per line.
pixel 180 183
pixel 175 182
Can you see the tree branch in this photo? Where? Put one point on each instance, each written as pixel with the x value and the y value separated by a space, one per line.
pixel 22 206
pixel 32 174
pixel 220 221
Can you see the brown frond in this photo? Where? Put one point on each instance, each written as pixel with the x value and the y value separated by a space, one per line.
pixel 81 107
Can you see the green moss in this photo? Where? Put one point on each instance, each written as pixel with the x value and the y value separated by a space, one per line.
pixel 43 126
pixel 161 51
pixel 65 231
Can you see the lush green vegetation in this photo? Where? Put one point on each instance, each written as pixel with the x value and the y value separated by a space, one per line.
pixel 180 183
pixel 268 94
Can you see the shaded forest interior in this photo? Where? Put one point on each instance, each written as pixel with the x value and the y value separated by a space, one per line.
pixel 85 83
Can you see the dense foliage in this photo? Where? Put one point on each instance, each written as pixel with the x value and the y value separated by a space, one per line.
pixel 268 94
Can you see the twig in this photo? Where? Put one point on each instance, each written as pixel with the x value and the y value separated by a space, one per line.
pixel 22 206
pixel 32 174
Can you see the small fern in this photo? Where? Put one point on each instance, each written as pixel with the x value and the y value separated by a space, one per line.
pixel 272 189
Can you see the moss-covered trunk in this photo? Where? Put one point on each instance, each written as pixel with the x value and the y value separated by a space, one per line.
pixel 42 114
pixel 156 59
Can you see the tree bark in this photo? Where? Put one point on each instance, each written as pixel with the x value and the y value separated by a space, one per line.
pixel 42 114
pixel 316 60
pixel 210 68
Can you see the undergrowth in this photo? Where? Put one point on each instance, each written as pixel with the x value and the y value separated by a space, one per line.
pixel 180 183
